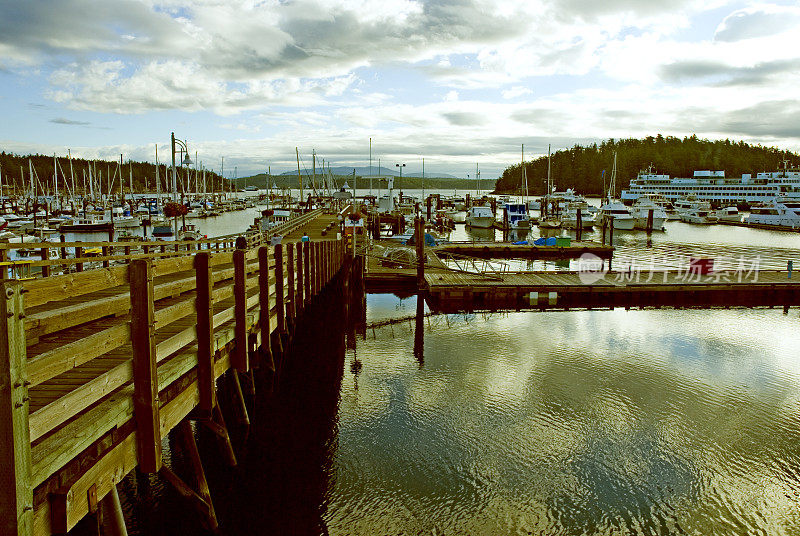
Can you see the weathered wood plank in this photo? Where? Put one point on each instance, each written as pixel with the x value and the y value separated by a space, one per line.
pixel 205 333
pixel 16 486
pixel 240 356
pixel 145 374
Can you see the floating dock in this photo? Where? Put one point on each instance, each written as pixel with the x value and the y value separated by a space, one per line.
pixel 505 250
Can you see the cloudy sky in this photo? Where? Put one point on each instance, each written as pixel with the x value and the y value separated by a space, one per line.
pixel 457 82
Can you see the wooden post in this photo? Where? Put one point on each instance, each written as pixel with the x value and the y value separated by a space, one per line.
pixel 145 374
pixel 263 301
pixel 650 220
pixel 280 301
pixel 290 285
pixel 127 250
pixel 78 255
pixel 312 269
pixel 579 225
pixel 16 491
pixel 307 272
pixel 205 334
pixel 113 518
pixel 239 360
pixel 300 300
pixel 420 232
pixel 45 255
pixel 106 263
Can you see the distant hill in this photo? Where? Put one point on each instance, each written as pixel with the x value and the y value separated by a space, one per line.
pixel 376 172
pixel 290 180
pixel 582 167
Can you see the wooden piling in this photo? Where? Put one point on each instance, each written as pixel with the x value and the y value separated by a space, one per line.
pixel 145 375
pixel 45 256
pixel 16 490
pixel 205 333
pixel 239 359
pixel 420 242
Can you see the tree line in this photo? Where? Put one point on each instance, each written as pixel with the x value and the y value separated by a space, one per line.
pixel 15 173
pixel 587 169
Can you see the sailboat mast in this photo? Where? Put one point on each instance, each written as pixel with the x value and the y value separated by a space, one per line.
pixel 299 175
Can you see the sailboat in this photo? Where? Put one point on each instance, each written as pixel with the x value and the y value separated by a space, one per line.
pixel 550 221
pixel 614 210
pixel 517 213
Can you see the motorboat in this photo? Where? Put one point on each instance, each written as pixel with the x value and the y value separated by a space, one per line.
pixel 480 216
pixel 782 212
pixel 693 210
pixel 517 216
pixel 617 212
pixel 569 218
pixel 729 214
pixel 641 213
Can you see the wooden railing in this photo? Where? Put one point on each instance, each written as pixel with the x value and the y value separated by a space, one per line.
pixel 97 367
pixel 72 256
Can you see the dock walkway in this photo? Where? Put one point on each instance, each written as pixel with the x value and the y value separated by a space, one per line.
pixel 456 292
pixel 96 367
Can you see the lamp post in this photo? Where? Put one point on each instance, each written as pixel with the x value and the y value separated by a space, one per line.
pixel 400 181
pixel 185 161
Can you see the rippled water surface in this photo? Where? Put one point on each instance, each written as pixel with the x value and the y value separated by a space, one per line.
pixel 601 422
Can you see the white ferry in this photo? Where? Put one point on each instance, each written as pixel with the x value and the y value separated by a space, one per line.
pixel 715 187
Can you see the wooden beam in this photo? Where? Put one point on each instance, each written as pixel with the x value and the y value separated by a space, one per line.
pixel 279 289
pixel 145 374
pixel 290 284
pixel 16 488
pixel 307 272
pixel 185 430
pixel 240 357
pixel 264 307
pixel 301 285
pixel 205 333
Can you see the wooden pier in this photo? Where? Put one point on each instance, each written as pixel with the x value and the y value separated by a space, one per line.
pixel 460 292
pixel 505 250
pixel 98 366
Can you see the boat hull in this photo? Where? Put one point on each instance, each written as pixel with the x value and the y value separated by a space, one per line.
pixel 481 222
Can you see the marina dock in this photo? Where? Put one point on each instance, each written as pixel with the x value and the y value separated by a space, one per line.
pixel 97 367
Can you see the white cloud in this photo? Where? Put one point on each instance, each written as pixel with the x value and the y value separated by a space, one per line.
pixel 516 91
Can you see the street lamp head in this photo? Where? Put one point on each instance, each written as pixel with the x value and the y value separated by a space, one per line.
pixel 186 160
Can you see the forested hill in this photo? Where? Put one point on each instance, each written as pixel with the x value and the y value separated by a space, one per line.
pixel 15 174
pixel 581 168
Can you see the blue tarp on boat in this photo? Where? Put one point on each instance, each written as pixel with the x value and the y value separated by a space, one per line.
pixel 545 241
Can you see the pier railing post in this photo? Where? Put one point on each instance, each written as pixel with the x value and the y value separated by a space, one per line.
pixel 239 358
pixel 300 300
pixel 16 490
pixel 205 333
pixel 307 272
pixel 420 242
pixel 263 303
pixel 145 375
pixel 280 301
pixel 290 285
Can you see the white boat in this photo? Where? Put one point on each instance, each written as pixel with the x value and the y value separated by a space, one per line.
pixel 480 216
pixel 782 212
pixel 534 204
pixel 517 214
pixel 458 216
pixel 729 214
pixel 274 217
pixel 693 210
pixel 618 212
pixel 613 210
pixel 714 186
pixel 641 213
pixel 569 218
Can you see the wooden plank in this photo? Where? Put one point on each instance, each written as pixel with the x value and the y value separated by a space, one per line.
pixel 54 362
pixel 61 287
pixel 205 332
pixel 145 375
pixel 240 356
pixel 16 486
pixel 76 400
